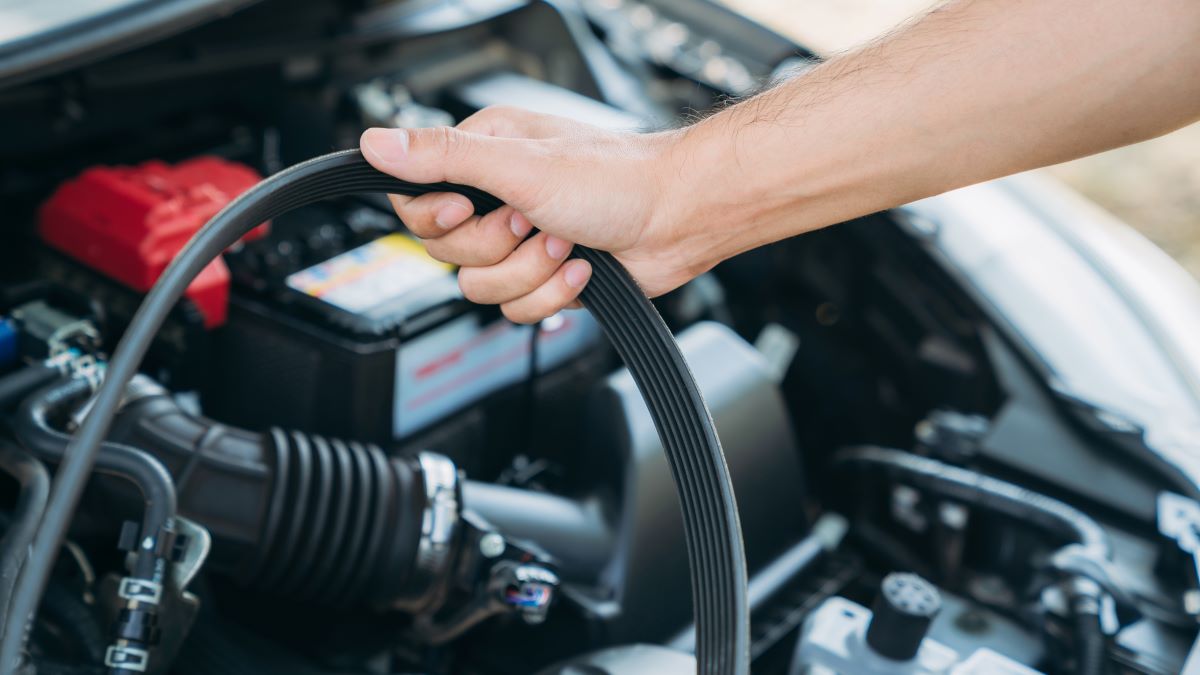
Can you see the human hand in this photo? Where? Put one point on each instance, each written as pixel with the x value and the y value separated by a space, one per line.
pixel 928 109
pixel 576 183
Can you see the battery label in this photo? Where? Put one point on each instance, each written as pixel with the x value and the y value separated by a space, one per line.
pixel 371 275
pixel 462 361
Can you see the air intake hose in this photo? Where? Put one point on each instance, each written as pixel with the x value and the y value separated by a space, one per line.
pixel 322 520
pixel 337 522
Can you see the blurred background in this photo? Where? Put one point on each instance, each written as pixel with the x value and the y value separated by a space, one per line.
pixel 1154 186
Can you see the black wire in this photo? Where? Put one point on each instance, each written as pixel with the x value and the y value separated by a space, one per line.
pixel 15 386
pixel 712 531
pixel 31 426
pixel 985 492
pixel 531 395
pixel 27 514
pixel 1090 644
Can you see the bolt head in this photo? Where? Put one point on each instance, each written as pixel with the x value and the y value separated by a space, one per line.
pixel 491 545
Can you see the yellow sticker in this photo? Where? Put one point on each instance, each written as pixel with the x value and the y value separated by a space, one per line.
pixel 371 274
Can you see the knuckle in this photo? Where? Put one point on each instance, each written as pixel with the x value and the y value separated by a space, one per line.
pixel 424 230
pixel 469 286
pixel 439 251
pixel 449 142
pixel 411 216
pixel 489 258
pixel 500 110
pixel 517 314
pixel 497 117
pixel 418 217
pixel 403 206
pixel 491 255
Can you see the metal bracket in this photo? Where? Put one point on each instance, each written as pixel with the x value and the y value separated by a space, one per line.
pixel 199 544
pixel 1179 520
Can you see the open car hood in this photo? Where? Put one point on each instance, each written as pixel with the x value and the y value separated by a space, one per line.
pixel 39 38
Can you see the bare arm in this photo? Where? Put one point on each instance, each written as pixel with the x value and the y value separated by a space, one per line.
pixel 974 90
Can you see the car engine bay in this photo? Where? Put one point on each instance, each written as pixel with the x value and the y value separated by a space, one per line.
pixel 332 463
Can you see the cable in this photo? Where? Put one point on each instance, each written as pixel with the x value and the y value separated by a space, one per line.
pixel 639 335
pixel 1091 644
pixel 986 492
pixel 31 504
pixel 136 622
pixel 31 426
pixel 17 385
pixel 531 389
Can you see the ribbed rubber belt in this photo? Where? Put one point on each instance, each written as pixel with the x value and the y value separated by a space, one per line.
pixel 714 538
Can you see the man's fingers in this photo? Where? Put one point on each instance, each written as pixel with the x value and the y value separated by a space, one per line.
pixel 506 167
pixel 552 296
pixel 433 215
pixel 507 152
pixel 483 241
pixel 530 266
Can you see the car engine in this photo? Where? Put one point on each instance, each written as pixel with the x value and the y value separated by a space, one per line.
pixel 330 462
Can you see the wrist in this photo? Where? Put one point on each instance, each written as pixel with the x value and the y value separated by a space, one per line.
pixel 745 177
pixel 718 197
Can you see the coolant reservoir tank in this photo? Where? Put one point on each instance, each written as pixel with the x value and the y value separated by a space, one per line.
pixel 844 638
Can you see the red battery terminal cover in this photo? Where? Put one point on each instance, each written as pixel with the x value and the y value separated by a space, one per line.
pixel 128 223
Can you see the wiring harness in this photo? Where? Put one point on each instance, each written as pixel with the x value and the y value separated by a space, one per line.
pixel 638 333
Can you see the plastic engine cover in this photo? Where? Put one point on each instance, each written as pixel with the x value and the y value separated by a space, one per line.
pixel 128 223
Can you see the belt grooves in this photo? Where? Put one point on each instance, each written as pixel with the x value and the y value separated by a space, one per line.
pixel 639 335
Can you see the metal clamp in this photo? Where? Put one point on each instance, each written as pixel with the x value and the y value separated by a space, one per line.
pixel 439 527
pixel 127 658
pixel 141 590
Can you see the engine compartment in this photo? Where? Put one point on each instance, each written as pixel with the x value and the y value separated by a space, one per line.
pixel 371 475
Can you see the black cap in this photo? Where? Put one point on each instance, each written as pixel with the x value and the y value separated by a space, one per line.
pixel 903 611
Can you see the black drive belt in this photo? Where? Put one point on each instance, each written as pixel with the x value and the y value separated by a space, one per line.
pixel 710 517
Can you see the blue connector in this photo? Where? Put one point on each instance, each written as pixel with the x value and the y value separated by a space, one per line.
pixel 8 342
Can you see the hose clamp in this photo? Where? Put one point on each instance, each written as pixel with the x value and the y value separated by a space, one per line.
pixel 140 590
pixel 126 657
pixel 440 523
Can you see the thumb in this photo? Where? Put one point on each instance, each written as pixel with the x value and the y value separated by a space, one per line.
pixel 500 166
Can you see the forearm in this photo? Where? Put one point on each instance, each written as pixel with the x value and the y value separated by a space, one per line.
pixel 973 91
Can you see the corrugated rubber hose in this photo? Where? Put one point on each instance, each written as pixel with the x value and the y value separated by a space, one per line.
pixel 714 538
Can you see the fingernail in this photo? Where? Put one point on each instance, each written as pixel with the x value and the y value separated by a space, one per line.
pixel 451 215
pixel 557 248
pixel 519 225
pixel 577 273
pixel 386 145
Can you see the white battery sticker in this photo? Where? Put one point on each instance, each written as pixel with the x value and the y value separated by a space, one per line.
pixel 456 364
pixel 370 275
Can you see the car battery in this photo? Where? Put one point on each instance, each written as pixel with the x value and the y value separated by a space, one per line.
pixel 375 343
